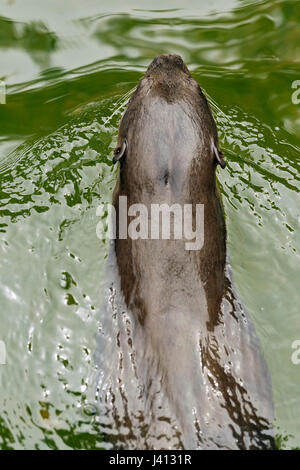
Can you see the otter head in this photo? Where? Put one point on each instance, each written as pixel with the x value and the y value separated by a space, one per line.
pixel 167 127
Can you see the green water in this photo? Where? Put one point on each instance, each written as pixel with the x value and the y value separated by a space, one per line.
pixel 69 68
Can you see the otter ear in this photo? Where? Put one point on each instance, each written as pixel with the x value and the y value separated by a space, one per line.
pixel 220 159
pixel 120 151
pixel 218 155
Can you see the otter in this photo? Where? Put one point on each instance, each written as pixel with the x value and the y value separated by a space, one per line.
pixel 190 372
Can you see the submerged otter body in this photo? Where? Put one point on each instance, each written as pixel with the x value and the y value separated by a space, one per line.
pixel 187 369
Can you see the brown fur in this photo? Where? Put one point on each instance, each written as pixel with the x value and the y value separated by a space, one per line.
pixel 182 302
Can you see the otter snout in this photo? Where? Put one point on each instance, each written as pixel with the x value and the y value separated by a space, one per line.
pixel 166 63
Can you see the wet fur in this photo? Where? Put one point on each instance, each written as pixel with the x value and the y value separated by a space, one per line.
pixel 197 359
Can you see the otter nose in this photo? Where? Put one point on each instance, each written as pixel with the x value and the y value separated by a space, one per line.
pixel 167 62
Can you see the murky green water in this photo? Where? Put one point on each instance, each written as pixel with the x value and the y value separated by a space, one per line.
pixel 69 68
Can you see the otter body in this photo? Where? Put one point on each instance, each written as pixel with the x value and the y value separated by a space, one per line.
pixel 192 352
